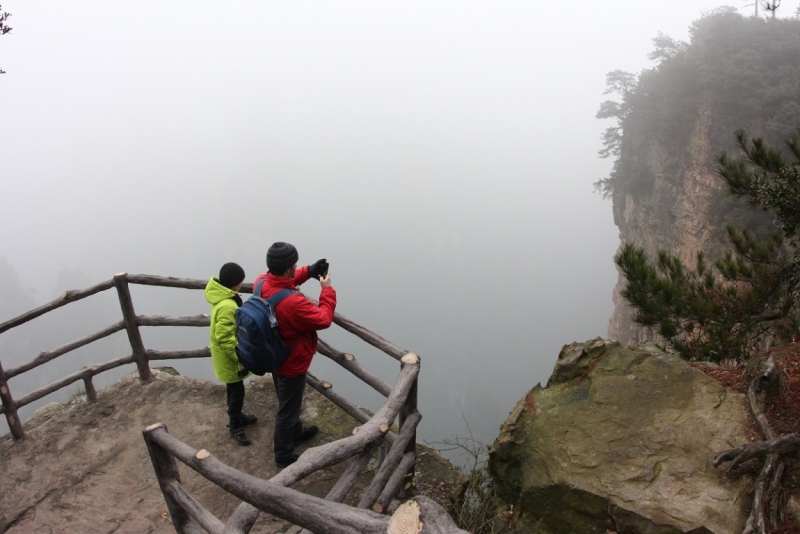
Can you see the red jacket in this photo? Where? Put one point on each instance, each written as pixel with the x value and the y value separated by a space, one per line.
pixel 298 319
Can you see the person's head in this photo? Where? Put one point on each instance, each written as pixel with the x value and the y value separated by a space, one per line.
pixel 231 275
pixel 282 259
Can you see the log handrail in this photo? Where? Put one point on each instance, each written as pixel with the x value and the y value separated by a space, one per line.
pixel 64 299
pixel 273 496
pixel 316 513
pixel 396 482
pixel 348 361
pixel 313 513
pixel 391 462
pixel 348 479
pixel 124 279
pixel 182 497
pixel 9 406
pixel 185 354
pixel 86 372
pixel 131 328
pixel 409 410
pixel 161 320
pixel 45 357
pixel 376 428
pixel 370 337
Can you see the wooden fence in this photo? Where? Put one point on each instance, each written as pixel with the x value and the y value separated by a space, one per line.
pixel 274 496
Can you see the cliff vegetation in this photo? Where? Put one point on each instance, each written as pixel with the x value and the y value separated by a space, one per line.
pixel 672 121
pixel 742 71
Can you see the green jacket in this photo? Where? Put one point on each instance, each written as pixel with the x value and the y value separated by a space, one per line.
pixel 223 332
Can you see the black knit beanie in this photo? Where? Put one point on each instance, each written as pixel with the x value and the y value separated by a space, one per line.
pixel 230 275
pixel 280 257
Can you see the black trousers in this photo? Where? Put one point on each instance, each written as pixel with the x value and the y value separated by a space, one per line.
pixel 235 395
pixel 288 426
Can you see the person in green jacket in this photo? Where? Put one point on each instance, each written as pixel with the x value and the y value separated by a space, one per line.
pixel 221 293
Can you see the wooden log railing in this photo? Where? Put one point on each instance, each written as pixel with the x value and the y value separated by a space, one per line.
pixel 420 515
pixel 394 473
pixel 130 323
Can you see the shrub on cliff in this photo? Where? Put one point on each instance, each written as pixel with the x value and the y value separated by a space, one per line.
pixel 722 311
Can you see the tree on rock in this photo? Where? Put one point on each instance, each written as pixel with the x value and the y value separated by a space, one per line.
pixel 722 311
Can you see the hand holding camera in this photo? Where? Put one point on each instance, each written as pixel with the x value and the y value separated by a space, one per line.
pixel 318 269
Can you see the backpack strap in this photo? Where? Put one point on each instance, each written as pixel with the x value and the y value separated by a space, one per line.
pixel 275 299
pixel 257 290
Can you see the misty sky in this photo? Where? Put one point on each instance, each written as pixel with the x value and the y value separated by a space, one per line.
pixel 441 155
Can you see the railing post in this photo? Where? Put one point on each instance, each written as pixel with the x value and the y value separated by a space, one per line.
pixel 134 337
pixel 166 469
pixel 88 385
pixel 14 424
pixel 409 407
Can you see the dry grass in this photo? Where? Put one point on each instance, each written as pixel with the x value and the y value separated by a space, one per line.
pixel 473 507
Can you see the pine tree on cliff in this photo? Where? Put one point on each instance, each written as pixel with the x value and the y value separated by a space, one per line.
pixel 721 311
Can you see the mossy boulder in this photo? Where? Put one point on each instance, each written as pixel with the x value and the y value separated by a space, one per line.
pixel 621 440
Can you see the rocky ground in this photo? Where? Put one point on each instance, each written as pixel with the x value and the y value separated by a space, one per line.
pixel 783 414
pixel 85 468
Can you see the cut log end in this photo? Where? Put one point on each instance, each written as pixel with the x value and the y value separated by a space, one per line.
pixel 410 359
pixel 11 420
pixel 153 427
pixel 327 385
pixel 64 295
pixel 384 428
pixel 202 454
pixel 205 315
pixel 377 507
pixel 406 519
pixel 121 273
pixel 355 431
pixel 349 357
pixel 4 390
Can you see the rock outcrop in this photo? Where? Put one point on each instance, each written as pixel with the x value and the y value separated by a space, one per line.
pixel 621 440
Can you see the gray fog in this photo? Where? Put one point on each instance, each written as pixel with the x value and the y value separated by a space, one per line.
pixel 440 155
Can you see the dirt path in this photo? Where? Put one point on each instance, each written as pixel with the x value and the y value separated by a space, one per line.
pixel 84 467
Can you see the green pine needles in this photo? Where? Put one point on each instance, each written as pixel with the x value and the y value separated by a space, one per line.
pixel 722 312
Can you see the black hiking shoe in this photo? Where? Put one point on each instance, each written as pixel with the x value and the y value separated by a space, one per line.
pixel 308 433
pixel 239 435
pixel 249 419
pixel 280 464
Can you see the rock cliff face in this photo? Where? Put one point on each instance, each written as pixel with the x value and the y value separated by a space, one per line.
pixel 620 440
pixel 734 73
pixel 673 214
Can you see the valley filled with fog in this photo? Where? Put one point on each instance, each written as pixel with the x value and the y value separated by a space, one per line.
pixel 440 155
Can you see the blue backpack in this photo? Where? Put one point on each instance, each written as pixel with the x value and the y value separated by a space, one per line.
pixel 259 347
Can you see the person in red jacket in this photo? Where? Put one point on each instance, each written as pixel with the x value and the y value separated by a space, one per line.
pixel 298 322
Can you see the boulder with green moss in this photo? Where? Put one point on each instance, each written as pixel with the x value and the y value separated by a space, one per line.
pixel 620 440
